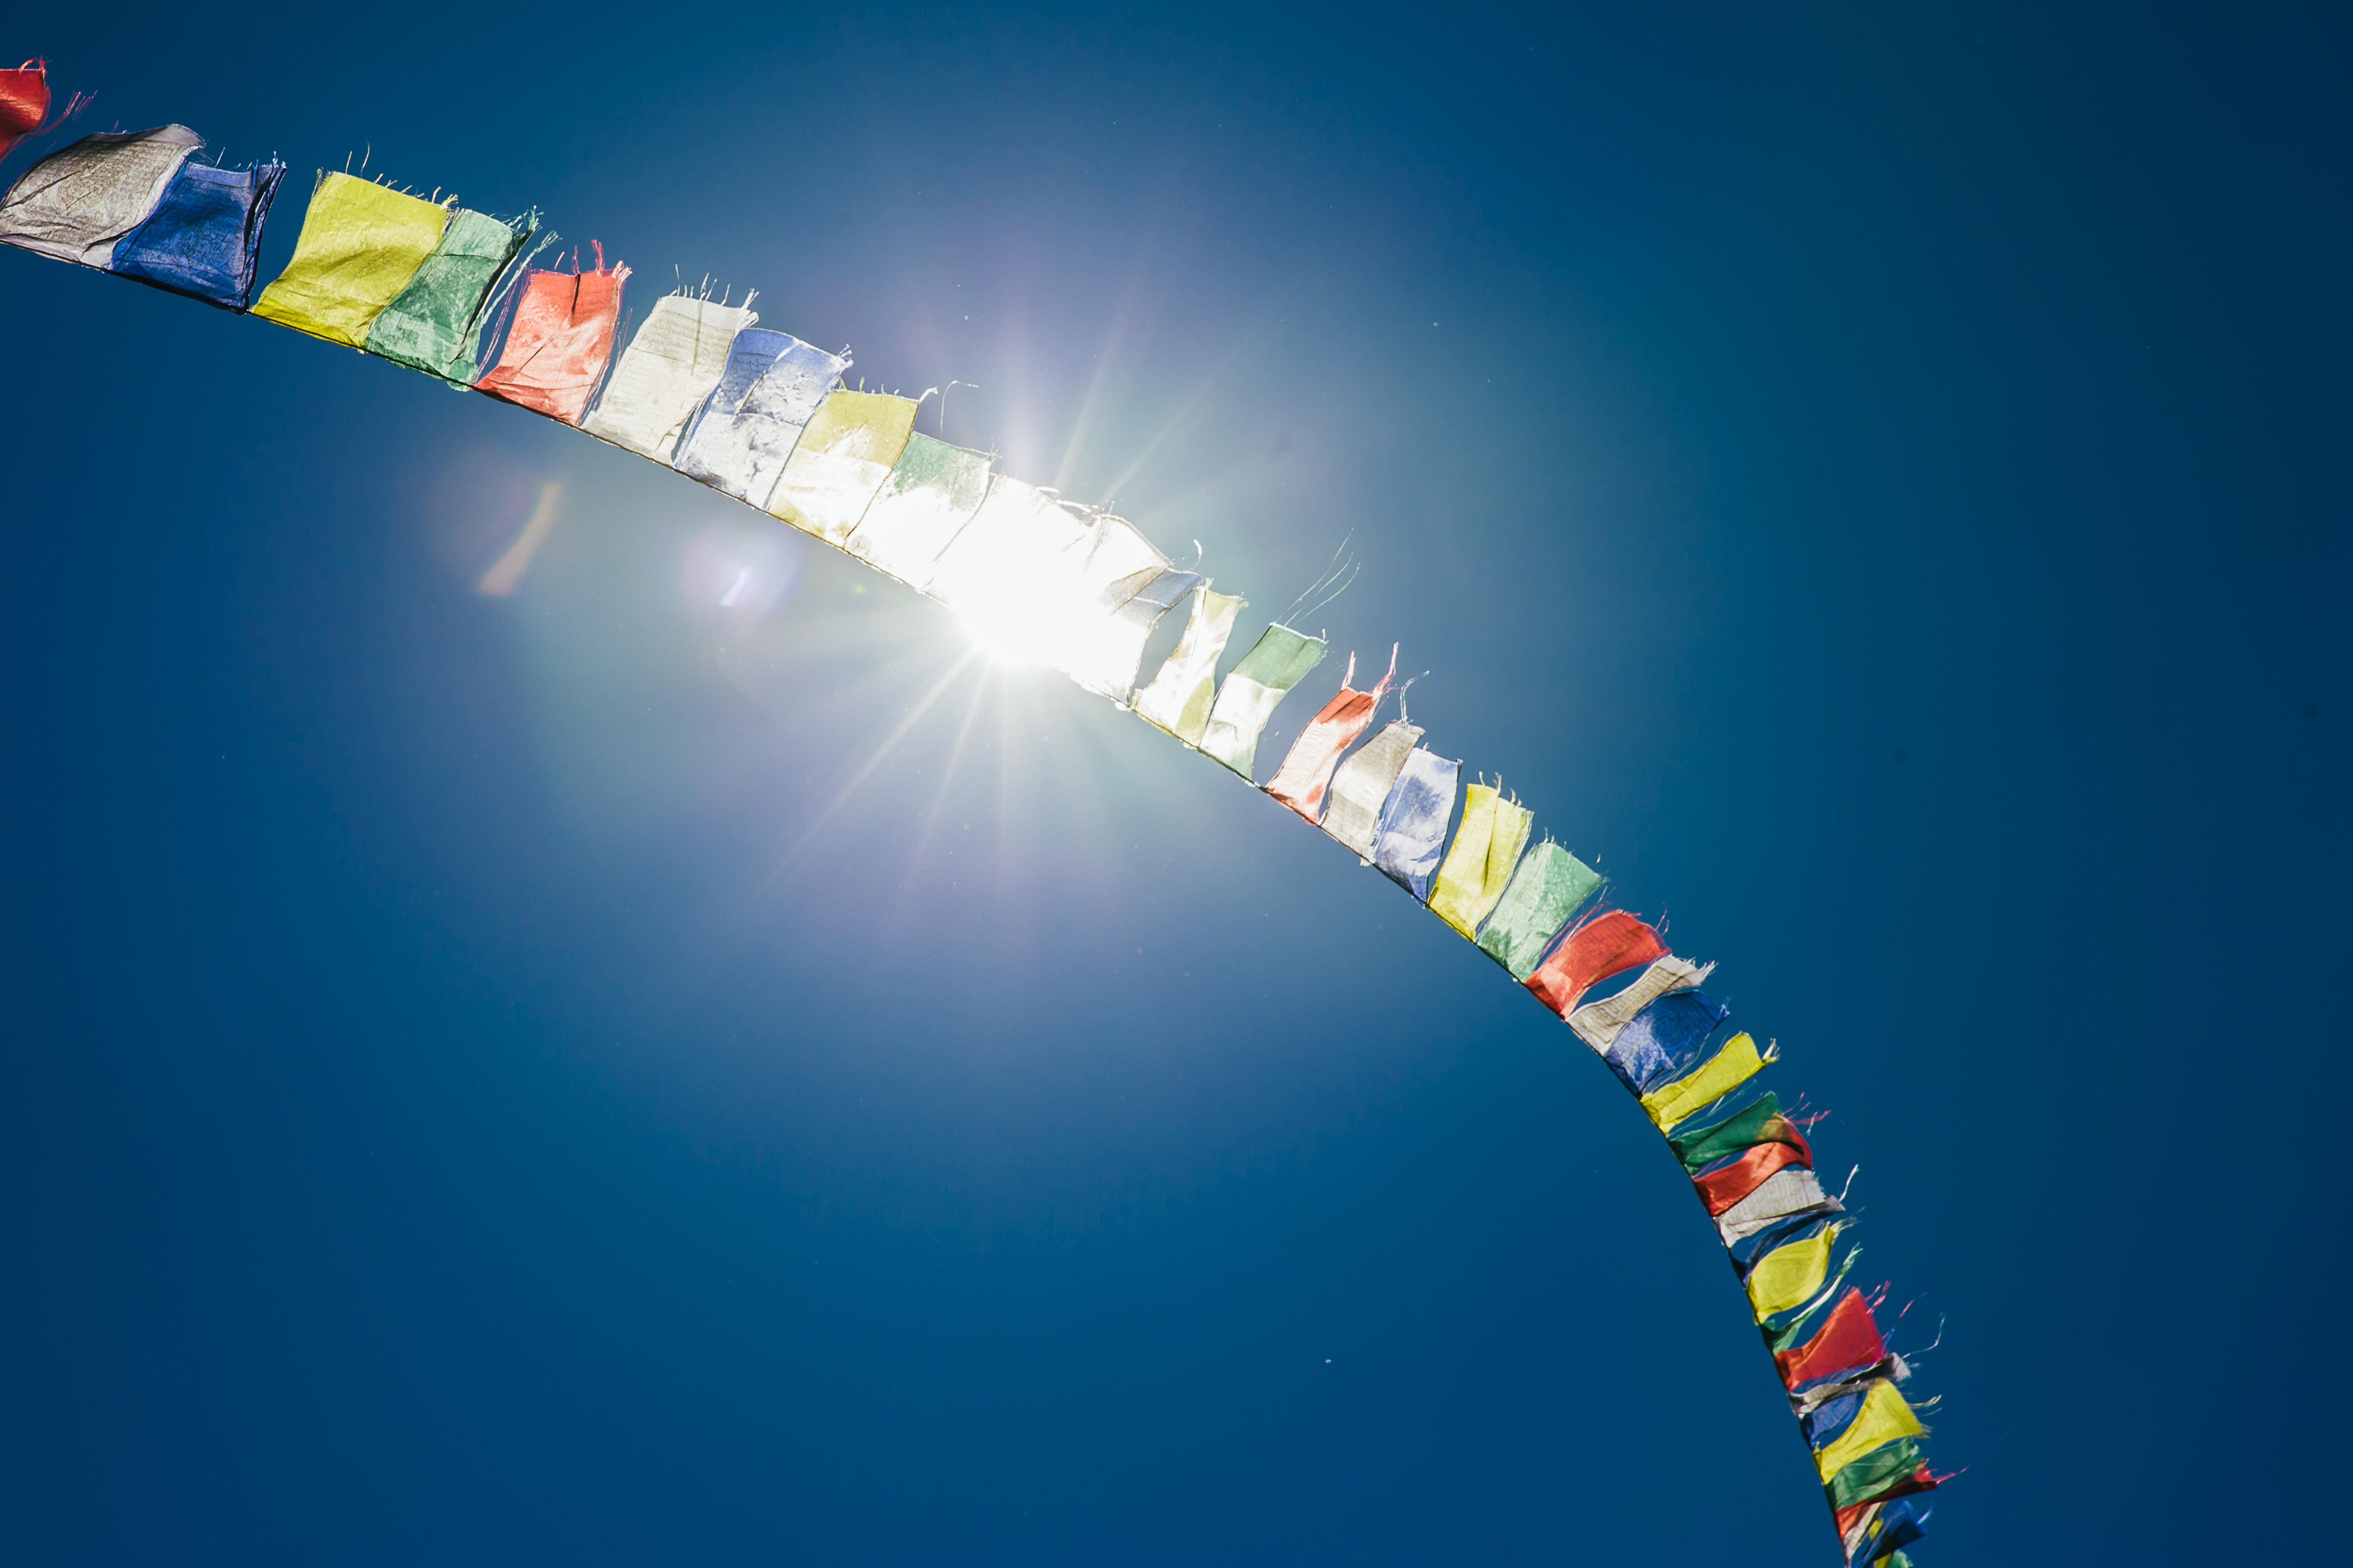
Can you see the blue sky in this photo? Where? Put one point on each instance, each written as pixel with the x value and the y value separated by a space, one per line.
pixel 480 1086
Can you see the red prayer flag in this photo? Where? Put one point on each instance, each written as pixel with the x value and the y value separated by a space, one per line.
pixel 1610 943
pixel 1306 772
pixel 1847 1342
pixel 565 324
pixel 24 103
pixel 1723 1188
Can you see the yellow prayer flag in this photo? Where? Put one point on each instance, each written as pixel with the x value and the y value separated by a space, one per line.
pixel 361 243
pixel 1733 1064
pixel 843 457
pixel 1486 847
pixel 1885 1415
pixel 1787 1276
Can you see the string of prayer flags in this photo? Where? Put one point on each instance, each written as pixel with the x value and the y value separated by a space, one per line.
pixel 841 462
pixel 1278 661
pixel 1363 783
pixel 360 244
pixel 1550 886
pixel 762 415
pixel 926 503
pixel 1414 820
pixel 1178 698
pixel 203 234
pixel 75 204
pixel 662 377
pixel 772 386
pixel 435 322
pixel 1306 772
pixel 555 353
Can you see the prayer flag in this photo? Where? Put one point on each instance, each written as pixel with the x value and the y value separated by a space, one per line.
pixel 1306 772
pixel 1610 943
pixel 1663 1039
pixel 1414 820
pixel 1597 1024
pixel 361 244
pixel 24 103
pixel 434 323
pixel 1549 886
pixel 202 236
pixel 562 339
pixel 924 504
pixel 771 387
pixel 75 204
pixel 1735 1063
pixel 661 378
pixel 841 461
pixel 1363 783
pixel 1486 847
pixel 1177 701
pixel 1278 661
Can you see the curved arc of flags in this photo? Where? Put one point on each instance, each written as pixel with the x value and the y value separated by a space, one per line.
pixel 764 417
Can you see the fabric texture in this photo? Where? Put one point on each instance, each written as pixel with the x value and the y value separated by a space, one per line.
pixel 1663 1039
pixel 772 386
pixel 1008 570
pixel 1725 1185
pixel 1305 776
pixel 1278 661
pixel 1735 1063
pixel 24 103
pixel 1113 650
pixel 1789 1276
pixel 841 462
pixel 1353 815
pixel 1120 586
pixel 924 504
pixel 1785 1194
pixel 661 378
pixel 434 323
pixel 1610 943
pixel 562 340
pixel 1414 820
pixel 202 237
pixel 1895 1470
pixel 1877 1538
pixel 1597 1024
pixel 1847 1342
pixel 1177 699
pixel 1761 1123
pixel 1884 1418
pixel 1478 868
pixel 1550 886
pixel 361 244
pixel 78 202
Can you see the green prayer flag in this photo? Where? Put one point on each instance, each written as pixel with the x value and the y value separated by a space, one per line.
pixel 1550 885
pixel 435 324
pixel 1278 661
pixel 1745 1129
pixel 1874 1473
